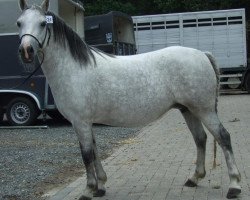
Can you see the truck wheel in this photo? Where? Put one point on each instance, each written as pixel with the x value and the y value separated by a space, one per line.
pixel 21 111
pixel 234 86
pixel 247 82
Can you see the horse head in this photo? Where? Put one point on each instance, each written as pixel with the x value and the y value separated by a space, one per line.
pixel 33 30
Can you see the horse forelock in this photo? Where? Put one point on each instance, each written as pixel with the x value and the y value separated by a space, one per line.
pixel 66 37
pixel 34 7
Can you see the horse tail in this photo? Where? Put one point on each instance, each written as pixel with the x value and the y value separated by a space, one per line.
pixel 217 73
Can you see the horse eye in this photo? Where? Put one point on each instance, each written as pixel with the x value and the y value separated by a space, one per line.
pixel 43 24
pixel 18 24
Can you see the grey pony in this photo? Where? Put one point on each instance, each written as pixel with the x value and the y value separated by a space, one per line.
pixel 92 87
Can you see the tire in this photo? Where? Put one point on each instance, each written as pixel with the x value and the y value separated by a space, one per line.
pixel 247 83
pixel 21 111
pixel 234 86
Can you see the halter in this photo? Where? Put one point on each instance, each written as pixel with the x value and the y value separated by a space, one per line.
pixel 39 43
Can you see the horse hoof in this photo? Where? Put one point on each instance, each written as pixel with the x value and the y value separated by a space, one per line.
pixel 190 183
pixel 233 193
pixel 85 198
pixel 100 193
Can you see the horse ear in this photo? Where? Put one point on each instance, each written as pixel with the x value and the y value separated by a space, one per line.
pixel 45 5
pixel 23 4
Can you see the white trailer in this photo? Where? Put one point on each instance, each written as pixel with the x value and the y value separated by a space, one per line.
pixel 222 32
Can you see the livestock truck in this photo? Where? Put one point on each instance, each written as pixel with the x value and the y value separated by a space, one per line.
pixel 222 32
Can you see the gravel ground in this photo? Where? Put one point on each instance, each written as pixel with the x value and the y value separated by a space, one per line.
pixel 35 160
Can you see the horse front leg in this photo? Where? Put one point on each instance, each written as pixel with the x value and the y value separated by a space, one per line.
pixel 84 133
pixel 100 173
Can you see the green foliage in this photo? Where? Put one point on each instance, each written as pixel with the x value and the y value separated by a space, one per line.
pixel 97 7
pixel 169 6
pixel 144 7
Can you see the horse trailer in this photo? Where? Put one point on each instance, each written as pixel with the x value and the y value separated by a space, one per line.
pixel 221 32
pixel 112 33
pixel 21 100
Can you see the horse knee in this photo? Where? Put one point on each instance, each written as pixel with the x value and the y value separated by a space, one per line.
pixel 201 140
pixel 87 155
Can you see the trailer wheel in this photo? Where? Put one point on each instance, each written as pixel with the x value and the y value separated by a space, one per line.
pixel 247 82
pixel 21 111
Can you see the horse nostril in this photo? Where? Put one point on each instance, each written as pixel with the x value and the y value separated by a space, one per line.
pixel 20 50
pixel 26 53
pixel 30 49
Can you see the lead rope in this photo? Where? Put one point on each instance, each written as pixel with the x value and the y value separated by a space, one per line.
pixel 29 76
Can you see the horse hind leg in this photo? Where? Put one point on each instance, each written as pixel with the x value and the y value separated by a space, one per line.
pixel 200 138
pixel 221 135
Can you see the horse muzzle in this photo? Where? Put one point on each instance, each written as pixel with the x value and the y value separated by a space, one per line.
pixel 27 53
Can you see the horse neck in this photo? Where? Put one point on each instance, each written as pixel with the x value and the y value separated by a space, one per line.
pixel 58 63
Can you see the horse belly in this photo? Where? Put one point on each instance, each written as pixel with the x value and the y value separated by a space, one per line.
pixel 133 113
pixel 129 118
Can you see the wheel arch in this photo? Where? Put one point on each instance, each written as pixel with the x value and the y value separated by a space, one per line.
pixel 8 95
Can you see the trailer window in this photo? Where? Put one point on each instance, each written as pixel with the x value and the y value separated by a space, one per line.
pixel 235 20
pixel 158 23
pixel 219 23
pixel 158 27
pixel 205 20
pixel 172 24
pixel 143 24
pixel 220 19
pixel 143 28
pixel 205 24
pixel 188 23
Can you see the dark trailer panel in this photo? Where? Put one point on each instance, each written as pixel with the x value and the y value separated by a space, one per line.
pixel 112 33
pixel 22 100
